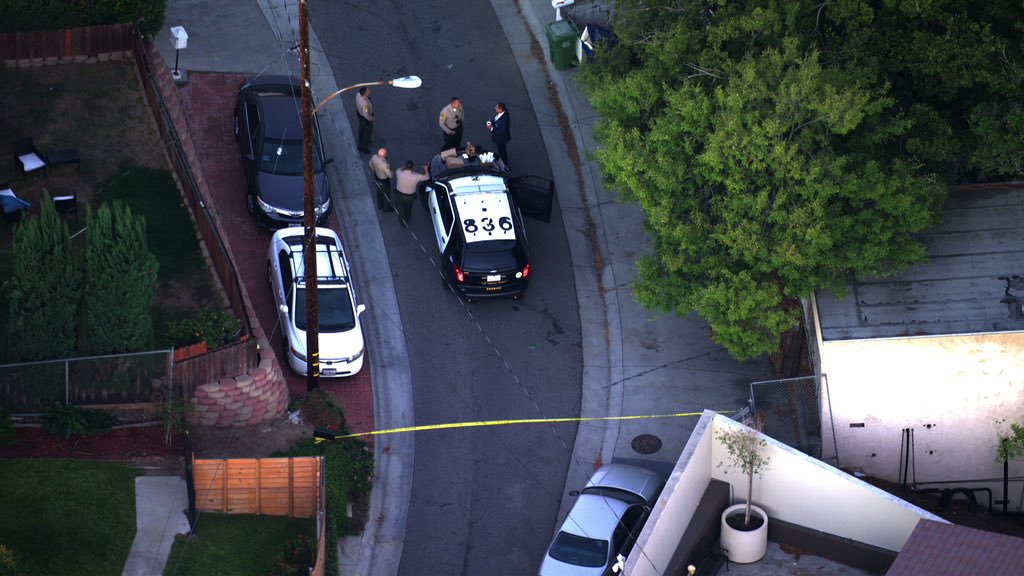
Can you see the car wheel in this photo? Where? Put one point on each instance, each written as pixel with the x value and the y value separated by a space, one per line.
pixel 250 203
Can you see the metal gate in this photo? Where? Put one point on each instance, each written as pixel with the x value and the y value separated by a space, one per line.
pixel 797 411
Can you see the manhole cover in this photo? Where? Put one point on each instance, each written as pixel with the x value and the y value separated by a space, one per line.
pixel 646 444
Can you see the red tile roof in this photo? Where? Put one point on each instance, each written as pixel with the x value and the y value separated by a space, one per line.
pixel 937 549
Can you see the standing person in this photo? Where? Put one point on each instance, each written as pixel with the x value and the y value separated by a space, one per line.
pixel 501 133
pixel 406 186
pixel 451 124
pixel 364 112
pixel 382 176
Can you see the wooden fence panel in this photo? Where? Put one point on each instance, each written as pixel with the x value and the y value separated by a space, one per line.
pixel 87 42
pixel 268 486
pixel 225 362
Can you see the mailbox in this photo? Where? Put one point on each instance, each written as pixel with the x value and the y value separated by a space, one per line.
pixel 179 37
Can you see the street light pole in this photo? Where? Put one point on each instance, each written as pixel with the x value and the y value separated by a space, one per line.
pixel 309 208
pixel 308 196
pixel 403 82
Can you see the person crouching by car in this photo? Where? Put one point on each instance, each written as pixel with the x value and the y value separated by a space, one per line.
pixel 408 183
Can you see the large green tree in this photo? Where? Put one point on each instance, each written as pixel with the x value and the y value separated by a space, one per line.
pixel 779 146
pixel 43 292
pixel 120 282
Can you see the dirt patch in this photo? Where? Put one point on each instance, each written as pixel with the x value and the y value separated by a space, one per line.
pixel 98 109
pixel 142 445
pixel 149 445
pixel 248 442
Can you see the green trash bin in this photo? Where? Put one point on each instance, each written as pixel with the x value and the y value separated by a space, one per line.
pixel 562 37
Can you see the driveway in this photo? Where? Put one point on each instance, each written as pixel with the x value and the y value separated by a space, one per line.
pixel 209 100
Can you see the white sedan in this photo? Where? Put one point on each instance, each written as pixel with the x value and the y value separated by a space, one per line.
pixel 341 337
pixel 604 522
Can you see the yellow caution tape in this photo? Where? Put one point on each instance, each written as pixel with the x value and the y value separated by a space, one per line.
pixel 479 423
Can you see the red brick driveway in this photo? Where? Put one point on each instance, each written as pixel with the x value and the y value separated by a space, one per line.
pixel 209 100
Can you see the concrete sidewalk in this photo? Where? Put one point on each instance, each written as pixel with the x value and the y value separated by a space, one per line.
pixel 634 362
pixel 160 506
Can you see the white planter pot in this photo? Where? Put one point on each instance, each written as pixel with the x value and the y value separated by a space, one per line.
pixel 741 546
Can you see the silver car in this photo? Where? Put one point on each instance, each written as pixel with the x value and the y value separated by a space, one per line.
pixel 604 522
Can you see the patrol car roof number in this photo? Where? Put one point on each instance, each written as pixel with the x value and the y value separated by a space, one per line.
pixel 485 217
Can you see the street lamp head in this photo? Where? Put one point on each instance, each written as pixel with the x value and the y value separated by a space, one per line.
pixel 407 82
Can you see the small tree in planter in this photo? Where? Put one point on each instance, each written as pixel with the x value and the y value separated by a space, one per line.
pixel 744 453
pixel 1009 447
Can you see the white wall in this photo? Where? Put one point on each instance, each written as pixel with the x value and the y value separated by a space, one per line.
pixel 676 505
pixel 956 392
pixel 795 488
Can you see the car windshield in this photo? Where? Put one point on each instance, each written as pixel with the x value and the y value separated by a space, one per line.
pixel 490 255
pixel 579 550
pixel 334 306
pixel 285 157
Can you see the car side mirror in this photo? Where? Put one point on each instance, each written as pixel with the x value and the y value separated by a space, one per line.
pixel 360 309
pixel 283 308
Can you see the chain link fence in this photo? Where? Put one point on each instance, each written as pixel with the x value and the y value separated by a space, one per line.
pixel 797 411
pixel 32 387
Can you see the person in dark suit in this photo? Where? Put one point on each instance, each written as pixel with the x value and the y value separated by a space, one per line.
pixel 501 133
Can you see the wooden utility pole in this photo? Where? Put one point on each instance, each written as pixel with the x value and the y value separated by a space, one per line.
pixel 309 208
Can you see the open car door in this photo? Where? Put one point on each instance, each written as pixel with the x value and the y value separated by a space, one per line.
pixel 534 196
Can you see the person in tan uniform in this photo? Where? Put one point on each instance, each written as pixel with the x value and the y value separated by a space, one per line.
pixel 407 184
pixel 450 121
pixel 364 113
pixel 382 177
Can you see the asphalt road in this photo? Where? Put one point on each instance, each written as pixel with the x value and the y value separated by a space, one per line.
pixel 484 500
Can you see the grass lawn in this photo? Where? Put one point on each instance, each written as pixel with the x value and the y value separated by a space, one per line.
pixel 67 517
pixel 228 545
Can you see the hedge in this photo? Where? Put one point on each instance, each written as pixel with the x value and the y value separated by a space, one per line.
pixel 25 15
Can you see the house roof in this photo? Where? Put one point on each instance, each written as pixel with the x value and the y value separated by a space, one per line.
pixel 936 549
pixel 973 256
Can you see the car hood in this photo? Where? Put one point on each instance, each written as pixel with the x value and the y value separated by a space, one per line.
pixel 286 191
pixel 333 345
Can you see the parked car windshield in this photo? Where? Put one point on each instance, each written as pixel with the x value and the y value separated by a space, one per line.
pixel 334 306
pixel 285 157
pixel 579 550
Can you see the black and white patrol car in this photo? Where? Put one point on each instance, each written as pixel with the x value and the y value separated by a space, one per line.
pixel 477 213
